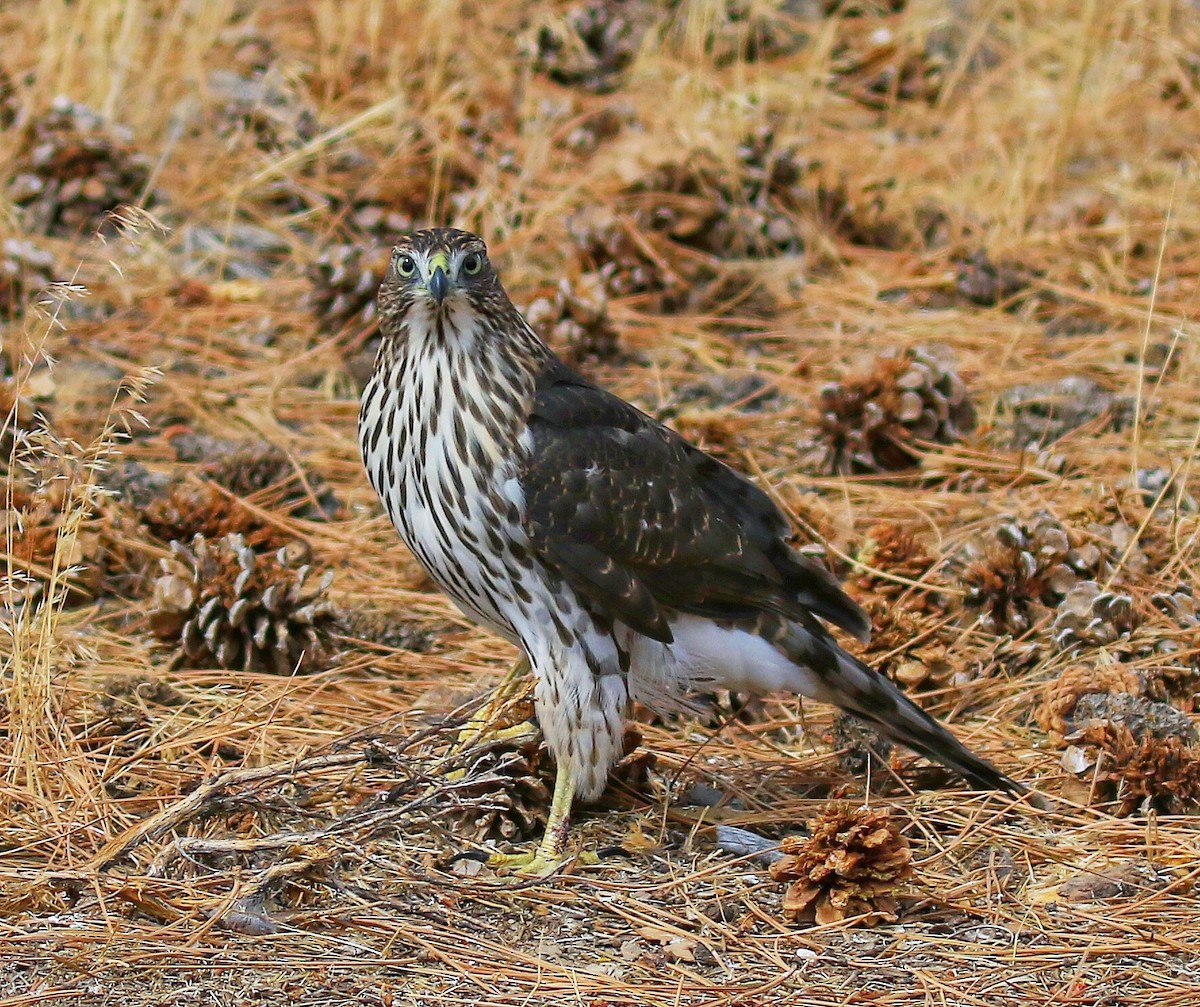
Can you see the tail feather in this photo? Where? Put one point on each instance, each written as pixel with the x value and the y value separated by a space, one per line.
pixel 847 682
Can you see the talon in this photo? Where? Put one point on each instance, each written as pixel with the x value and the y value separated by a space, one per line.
pixel 611 851
pixel 479 856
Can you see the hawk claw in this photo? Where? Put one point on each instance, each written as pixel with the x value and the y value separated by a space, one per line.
pixel 608 852
pixel 479 856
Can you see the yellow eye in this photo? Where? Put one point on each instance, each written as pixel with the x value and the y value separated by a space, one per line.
pixel 405 265
pixel 472 264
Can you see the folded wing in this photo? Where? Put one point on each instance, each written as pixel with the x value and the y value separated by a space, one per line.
pixel 639 522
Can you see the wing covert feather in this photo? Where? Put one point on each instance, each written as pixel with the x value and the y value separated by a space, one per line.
pixel 637 520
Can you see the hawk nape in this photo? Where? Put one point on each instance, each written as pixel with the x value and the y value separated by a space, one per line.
pixel 625 563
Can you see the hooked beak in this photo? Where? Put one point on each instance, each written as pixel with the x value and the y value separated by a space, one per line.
pixel 439 284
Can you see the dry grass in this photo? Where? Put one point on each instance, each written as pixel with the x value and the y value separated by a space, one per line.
pixel 1015 180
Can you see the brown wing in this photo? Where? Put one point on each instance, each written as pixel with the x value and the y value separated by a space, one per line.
pixel 638 521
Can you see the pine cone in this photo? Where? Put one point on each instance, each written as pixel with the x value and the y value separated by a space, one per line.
pixel 575 320
pixel 1182 617
pixel 1179 605
pixel 229 607
pixel 872 422
pixel 121 704
pixel 1060 696
pixel 387 629
pixel 192 507
pixel 862 751
pixel 22 411
pixel 1144 718
pixel 671 227
pixel 851 865
pixel 983 282
pixel 25 270
pixel 264 105
pixel 344 283
pixel 1091 617
pixel 75 170
pixel 1147 772
pixel 894 549
pixel 510 798
pixel 250 467
pixel 745 213
pixel 591 45
pixel 1044 412
pixel 876 71
pixel 507 790
pixel 38 538
pixel 372 217
pixel 607 247
pixel 907 645
pixel 748 33
pixel 1016 572
pixel 10 105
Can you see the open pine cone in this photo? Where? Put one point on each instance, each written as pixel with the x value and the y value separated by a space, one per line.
pixel 191 507
pixel 1125 748
pixel 851 865
pixel 75 170
pixel 505 792
pixel 40 535
pixel 22 411
pixel 247 468
pixel 343 284
pixel 507 795
pixel 1146 772
pixel 575 319
pixel 608 246
pixel 229 607
pixel 873 422
pixel 1014 573
pixel 908 645
pixel 1092 617
pixel 34 540
pixel 591 45
pixel 745 213
pixel 892 550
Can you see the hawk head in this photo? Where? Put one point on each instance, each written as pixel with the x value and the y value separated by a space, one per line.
pixel 440 291
pixel 440 269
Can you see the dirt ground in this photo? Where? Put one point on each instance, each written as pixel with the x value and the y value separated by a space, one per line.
pixel 928 271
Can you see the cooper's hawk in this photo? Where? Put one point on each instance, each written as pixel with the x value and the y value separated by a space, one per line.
pixel 624 562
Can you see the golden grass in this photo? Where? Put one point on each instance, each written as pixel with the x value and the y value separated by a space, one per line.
pixel 285 839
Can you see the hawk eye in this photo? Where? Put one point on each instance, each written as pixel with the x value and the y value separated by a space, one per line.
pixel 405 265
pixel 472 264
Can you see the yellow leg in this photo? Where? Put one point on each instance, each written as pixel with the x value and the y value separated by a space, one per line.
pixel 481 721
pixel 548 855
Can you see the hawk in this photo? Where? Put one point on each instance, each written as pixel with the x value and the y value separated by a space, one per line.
pixel 624 562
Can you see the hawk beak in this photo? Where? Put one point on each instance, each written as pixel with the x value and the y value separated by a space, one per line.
pixel 439 284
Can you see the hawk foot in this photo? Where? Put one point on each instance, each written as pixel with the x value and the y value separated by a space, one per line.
pixel 481 725
pixel 527 730
pixel 536 863
pixel 550 854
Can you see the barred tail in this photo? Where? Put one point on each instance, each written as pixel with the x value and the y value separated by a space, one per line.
pixel 847 682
